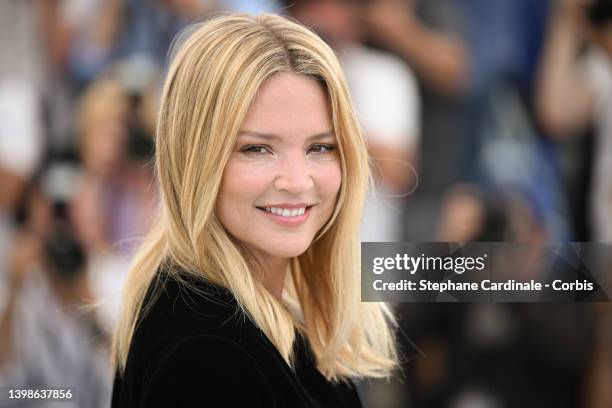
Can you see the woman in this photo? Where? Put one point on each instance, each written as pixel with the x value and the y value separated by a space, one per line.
pixel 246 292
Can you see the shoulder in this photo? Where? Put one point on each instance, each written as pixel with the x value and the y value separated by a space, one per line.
pixel 206 369
pixel 175 309
pixel 194 345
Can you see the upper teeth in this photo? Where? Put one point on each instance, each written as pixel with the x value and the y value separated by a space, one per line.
pixel 285 212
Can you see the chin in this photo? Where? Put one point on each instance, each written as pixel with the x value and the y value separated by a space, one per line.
pixel 288 251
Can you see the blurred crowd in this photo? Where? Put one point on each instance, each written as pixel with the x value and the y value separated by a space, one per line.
pixel 486 120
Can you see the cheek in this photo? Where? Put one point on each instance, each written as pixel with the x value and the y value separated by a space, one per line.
pixel 330 179
pixel 241 185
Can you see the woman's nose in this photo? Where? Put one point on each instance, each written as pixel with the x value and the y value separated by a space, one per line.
pixel 294 174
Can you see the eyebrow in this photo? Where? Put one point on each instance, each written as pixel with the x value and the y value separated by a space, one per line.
pixel 271 136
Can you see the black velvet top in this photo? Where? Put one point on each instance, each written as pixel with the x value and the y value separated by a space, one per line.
pixel 194 350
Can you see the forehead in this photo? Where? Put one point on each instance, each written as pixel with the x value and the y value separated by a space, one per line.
pixel 289 105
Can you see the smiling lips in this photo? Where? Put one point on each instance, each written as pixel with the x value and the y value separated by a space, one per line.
pixel 289 215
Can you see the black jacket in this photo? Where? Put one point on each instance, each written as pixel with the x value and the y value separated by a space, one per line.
pixel 193 351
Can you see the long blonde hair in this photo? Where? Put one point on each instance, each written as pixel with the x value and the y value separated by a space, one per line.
pixel 212 81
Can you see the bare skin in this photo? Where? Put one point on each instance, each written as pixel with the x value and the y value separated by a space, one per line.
pixel 440 59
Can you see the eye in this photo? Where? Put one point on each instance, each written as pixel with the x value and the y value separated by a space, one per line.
pixel 255 150
pixel 322 148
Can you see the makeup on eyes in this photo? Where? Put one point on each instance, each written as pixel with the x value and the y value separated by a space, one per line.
pixel 259 149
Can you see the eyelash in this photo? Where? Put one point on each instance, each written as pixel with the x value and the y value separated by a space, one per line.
pixel 250 149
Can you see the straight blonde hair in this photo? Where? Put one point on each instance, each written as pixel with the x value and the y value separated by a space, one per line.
pixel 212 81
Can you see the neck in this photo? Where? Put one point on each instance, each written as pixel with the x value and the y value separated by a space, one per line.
pixel 274 273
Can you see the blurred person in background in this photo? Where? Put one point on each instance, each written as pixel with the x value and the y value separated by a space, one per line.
pixel 475 61
pixel 575 93
pixel 21 148
pixel 47 337
pixel 439 56
pixel 387 104
pixel 431 39
pixel 464 215
pixel 23 74
pixel 116 195
pixel 497 355
pixel 110 130
pixel 101 32
pixel 32 50
pixel 103 138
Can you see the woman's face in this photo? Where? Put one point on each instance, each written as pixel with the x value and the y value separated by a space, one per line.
pixel 281 182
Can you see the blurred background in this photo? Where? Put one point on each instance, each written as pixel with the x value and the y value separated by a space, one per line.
pixel 486 120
